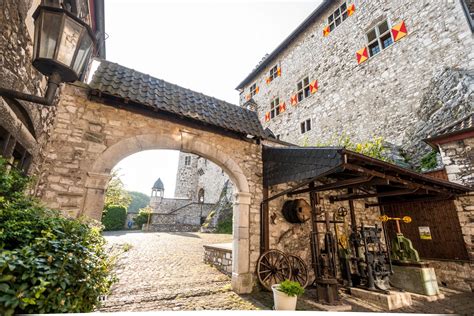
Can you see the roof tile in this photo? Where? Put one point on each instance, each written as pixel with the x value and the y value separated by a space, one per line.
pixel 119 81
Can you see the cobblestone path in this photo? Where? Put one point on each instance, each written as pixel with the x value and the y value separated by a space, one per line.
pixel 165 271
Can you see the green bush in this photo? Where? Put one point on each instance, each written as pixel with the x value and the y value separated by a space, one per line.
pixel 142 217
pixel 114 217
pixel 48 263
pixel 291 288
pixel 429 161
pixel 225 226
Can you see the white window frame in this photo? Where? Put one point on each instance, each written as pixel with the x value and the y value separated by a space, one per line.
pixel 303 92
pixel 339 14
pixel 274 107
pixel 379 36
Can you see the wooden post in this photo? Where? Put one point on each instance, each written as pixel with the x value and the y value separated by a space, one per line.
pixel 264 226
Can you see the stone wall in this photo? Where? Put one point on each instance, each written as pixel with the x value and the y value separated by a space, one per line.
pixel 201 173
pixel 90 138
pixel 29 124
pixel 211 179
pixel 458 158
pixel 182 211
pixel 219 256
pixel 401 94
pixel 187 177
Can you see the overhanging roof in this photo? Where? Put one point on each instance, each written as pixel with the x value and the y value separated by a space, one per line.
pixel 339 168
pixel 307 22
pixel 460 129
pixel 132 88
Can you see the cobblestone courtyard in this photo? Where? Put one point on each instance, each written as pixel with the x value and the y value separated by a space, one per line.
pixel 165 271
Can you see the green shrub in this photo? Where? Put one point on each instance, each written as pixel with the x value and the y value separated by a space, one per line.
pixel 114 217
pixel 291 288
pixel 225 226
pixel 142 217
pixel 48 263
pixel 429 161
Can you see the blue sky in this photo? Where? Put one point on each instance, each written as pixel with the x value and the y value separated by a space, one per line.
pixel 206 46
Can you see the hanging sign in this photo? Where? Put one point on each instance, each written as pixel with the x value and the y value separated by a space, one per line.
pixel 425 233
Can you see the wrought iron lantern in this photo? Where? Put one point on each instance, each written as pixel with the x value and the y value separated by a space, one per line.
pixel 62 47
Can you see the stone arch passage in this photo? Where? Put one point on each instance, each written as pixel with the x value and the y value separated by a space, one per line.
pixel 90 138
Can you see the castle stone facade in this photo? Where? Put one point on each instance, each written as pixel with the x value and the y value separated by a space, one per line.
pixel 197 178
pixel 403 89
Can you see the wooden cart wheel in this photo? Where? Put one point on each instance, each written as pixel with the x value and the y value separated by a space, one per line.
pixel 273 267
pixel 299 270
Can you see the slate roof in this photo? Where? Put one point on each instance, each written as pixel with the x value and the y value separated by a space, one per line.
pixel 158 185
pixel 460 126
pixel 135 87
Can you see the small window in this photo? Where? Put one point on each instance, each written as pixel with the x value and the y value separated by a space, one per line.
pixel 273 73
pixel 275 108
pixel 253 90
pixel 379 38
pixel 303 89
pixel 201 172
pixel 21 158
pixel 187 160
pixel 305 126
pixel 338 16
pixel 4 138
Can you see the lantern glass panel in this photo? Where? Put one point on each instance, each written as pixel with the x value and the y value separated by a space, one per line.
pixel 83 53
pixel 69 41
pixel 49 34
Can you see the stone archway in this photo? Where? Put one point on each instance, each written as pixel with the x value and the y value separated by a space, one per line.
pixel 90 138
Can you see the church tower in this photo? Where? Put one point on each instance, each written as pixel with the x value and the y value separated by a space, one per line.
pixel 157 193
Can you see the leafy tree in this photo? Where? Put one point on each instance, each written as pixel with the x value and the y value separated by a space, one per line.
pixel 116 193
pixel 142 217
pixel 373 148
pixel 48 263
pixel 139 200
pixel 114 217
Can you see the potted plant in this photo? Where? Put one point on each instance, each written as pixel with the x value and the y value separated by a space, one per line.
pixel 285 295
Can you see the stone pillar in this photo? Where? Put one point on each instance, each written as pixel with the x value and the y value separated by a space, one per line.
pixel 242 278
pixel 96 184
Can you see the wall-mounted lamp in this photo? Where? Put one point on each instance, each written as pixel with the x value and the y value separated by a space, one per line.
pixel 62 47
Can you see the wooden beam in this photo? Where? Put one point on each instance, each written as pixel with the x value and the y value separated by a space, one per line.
pixel 427 199
pixel 346 197
pixel 407 183
pixel 335 185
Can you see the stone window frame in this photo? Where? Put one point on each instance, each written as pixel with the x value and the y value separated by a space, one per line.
pixel 379 39
pixel 273 73
pixel 303 90
pixel 253 89
pixel 274 107
pixel 340 14
pixel 305 126
pixel 17 155
pixel 201 172
pixel 187 160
